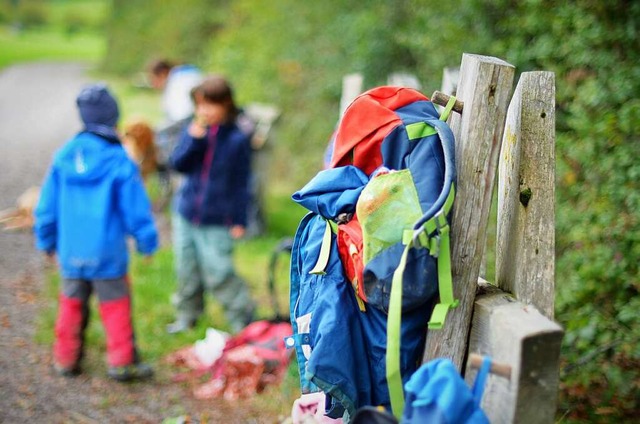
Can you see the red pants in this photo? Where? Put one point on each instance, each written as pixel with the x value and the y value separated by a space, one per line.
pixel 114 299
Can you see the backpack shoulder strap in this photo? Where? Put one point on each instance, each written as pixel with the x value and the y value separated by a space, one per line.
pixel 433 221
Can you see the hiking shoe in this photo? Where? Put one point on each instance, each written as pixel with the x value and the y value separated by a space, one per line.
pixel 67 372
pixel 139 371
pixel 180 325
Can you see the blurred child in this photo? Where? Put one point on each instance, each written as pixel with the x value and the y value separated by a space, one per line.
pixel 91 200
pixel 176 82
pixel 210 209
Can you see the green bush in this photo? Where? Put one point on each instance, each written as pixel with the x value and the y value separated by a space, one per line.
pixel 141 30
pixel 31 13
pixel 6 12
pixel 75 21
pixel 590 47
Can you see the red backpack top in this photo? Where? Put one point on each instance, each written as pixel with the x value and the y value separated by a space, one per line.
pixel 396 137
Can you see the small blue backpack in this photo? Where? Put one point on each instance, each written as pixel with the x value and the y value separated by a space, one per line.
pixel 436 394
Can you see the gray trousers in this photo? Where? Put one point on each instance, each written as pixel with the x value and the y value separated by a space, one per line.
pixel 204 264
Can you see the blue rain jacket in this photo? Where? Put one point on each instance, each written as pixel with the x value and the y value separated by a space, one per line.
pixel 91 200
pixel 437 394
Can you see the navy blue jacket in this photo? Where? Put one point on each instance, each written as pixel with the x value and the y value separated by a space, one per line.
pixel 216 168
pixel 91 200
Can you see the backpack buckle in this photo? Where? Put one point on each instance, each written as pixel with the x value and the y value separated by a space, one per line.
pixel 419 238
pixel 442 230
pixel 442 225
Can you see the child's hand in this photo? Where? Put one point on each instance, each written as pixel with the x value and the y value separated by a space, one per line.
pixel 197 129
pixel 237 231
pixel 147 259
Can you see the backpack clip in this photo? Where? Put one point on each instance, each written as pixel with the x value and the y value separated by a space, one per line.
pixel 442 225
pixel 416 238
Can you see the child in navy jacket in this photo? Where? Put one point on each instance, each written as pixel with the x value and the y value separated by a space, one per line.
pixel 210 209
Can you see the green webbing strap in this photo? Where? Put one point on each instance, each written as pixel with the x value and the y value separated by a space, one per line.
pixel 325 251
pixel 394 320
pixel 445 283
pixel 419 130
pixel 334 226
pixel 439 219
pixel 422 239
pixel 439 246
pixel 448 108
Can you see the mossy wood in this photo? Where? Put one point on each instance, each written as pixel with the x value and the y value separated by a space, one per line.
pixel 511 323
pixel 525 242
pixel 519 336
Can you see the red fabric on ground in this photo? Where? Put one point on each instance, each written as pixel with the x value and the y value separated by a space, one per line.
pixel 253 359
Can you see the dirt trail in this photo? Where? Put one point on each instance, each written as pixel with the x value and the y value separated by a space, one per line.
pixel 37 115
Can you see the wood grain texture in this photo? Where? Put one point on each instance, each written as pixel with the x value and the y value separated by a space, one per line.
pixel 525 243
pixel 485 89
pixel 518 335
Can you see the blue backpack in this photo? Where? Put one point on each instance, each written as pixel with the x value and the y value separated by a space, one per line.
pixel 371 257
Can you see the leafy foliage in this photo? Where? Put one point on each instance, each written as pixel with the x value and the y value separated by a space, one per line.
pixel 139 30
pixel 592 47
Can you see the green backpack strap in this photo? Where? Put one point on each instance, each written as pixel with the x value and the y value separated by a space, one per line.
pixel 325 250
pixel 394 321
pixel 439 245
pixel 445 282
pixel 448 108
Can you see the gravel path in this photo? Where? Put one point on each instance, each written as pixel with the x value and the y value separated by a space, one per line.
pixel 37 115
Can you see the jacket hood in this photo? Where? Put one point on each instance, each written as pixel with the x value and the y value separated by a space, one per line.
pixel 88 158
pixel 333 191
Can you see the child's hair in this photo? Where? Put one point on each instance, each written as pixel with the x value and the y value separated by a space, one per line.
pixel 160 66
pixel 216 89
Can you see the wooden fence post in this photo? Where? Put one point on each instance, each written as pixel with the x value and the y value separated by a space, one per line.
pixel 525 247
pixel 450 77
pixel 512 330
pixel 351 88
pixel 517 335
pixel 404 79
pixel 485 88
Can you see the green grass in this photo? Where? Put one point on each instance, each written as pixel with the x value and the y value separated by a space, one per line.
pixel 49 44
pixel 61 30
pixel 136 101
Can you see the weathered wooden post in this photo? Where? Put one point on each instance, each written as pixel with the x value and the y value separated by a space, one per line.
pixel 450 77
pixel 511 329
pixel 517 335
pixel 263 117
pixel 484 88
pixel 525 248
pixel 404 79
pixel 351 88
